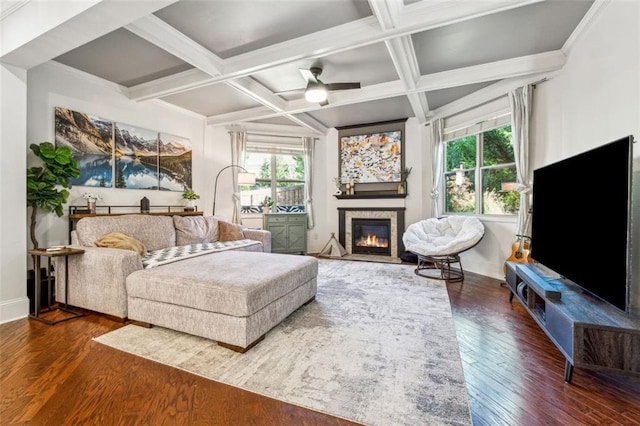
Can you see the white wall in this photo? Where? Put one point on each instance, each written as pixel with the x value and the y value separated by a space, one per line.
pixel 52 85
pixel 13 220
pixel 595 99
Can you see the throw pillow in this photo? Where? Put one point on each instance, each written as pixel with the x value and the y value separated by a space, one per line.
pixel 196 229
pixel 121 241
pixel 230 231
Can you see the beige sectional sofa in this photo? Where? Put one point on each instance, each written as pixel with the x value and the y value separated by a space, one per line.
pixel 229 291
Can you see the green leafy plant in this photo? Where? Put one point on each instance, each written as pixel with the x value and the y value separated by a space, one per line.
pixel 190 194
pixel 42 192
pixel 404 173
pixel 267 202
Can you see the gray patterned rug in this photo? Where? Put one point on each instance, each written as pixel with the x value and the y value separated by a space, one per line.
pixel 377 346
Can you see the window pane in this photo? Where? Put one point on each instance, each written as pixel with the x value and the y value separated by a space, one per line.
pixel 461 151
pixel 461 192
pixel 260 164
pixel 496 147
pixel 497 198
pixel 290 176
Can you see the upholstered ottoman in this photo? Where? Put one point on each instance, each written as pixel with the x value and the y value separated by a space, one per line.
pixel 231 297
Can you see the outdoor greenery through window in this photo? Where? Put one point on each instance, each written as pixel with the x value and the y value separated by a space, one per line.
pixel 483 162
pixel 278 176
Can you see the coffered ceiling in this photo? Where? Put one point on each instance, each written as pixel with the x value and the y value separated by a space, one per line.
pixel 230 60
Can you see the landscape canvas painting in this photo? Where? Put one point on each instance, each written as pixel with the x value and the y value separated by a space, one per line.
pixel 91 141
pixel 371 158
pixel 136 157
pixel 175 162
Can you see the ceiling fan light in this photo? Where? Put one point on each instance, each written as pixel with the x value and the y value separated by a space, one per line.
pixel 315 92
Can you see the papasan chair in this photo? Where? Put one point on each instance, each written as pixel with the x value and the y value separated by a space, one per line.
pixel 438 243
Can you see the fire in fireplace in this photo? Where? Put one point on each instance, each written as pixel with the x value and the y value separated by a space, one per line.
pixel 371 236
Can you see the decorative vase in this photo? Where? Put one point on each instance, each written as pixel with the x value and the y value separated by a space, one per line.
pixel 265 209
pixel 189 205
pixel 91 205
pixel 402 188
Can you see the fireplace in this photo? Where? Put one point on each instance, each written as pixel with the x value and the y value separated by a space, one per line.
pixel 389 217
pixel 371 236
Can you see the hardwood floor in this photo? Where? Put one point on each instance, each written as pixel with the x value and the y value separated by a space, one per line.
pixel 54 375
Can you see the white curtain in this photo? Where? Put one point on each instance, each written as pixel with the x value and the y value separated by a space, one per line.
pixel 437 163
pixel 308 146
pixel 238 150
pixel 520 101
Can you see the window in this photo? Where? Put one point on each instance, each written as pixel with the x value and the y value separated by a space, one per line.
pixel 483 161
pixel 278 176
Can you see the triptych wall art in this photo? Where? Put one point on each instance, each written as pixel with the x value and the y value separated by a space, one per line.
pixel 113 154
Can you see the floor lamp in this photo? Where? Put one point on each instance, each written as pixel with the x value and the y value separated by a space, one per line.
pixel 245 178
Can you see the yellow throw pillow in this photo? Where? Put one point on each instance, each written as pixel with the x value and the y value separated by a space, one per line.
pixel 121 241
pixel 230 231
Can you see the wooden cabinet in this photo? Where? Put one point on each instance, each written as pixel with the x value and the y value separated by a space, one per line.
pixel 590 333
pixel 288 232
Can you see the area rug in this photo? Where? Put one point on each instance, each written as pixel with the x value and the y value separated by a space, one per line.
pixel 377 347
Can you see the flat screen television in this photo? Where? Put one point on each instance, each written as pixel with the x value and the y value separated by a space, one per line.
pixel 581 220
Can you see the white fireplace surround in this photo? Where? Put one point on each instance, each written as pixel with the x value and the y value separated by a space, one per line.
pixel 372 214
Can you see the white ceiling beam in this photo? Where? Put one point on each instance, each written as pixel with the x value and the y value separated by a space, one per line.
pixel 508 68
pixel 402 54
pixel 163 35
pixel 405 61
pixel 258 92
pixel 489 93
pixel 42 30
pixel 386 12
pixel 499 70
pixel 169 85
pixel 343 97
pixel 348 36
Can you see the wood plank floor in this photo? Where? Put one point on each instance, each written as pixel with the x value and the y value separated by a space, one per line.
pixel 54 375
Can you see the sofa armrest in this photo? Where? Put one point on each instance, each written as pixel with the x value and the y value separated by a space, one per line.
pixel 259 235
pixel 97 279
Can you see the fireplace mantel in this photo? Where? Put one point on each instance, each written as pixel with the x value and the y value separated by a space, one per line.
pixel 368 195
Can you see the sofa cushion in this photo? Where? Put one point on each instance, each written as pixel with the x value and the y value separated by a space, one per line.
pixel 121 241
pixel 155 232
pixel 230 232
pixel 196 229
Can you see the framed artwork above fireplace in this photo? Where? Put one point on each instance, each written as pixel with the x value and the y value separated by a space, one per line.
pixel 371 155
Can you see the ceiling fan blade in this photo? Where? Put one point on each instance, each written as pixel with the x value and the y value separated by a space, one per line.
pixel 308 75
pixel 342 86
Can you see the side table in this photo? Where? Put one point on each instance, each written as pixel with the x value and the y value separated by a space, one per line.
pixel 37 255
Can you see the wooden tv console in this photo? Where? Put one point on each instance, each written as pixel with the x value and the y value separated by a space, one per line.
pixel 590 333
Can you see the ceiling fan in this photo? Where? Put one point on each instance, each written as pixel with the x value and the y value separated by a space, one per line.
pixel 316 90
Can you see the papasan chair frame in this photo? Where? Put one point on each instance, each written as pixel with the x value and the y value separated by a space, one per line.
pixel 438 243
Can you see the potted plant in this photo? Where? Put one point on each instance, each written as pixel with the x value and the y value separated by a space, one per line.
pixel 266 204
pixel 404 174
pixel 42 192
pixel 91 200
pixel 190 196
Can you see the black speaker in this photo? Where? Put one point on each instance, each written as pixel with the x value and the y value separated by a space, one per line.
pixel 44 290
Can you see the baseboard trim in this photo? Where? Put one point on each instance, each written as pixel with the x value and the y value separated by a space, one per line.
pixel 14 309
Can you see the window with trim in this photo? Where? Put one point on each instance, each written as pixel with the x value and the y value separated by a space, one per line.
pixel 482 163
pixel 279 176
